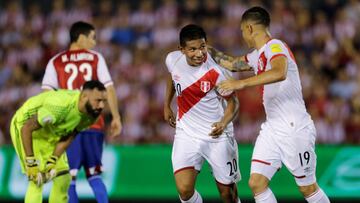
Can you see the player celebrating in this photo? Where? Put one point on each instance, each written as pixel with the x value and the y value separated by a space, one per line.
pixel 288 134
pixel 44 127
pixel 203 128
pixel 69 70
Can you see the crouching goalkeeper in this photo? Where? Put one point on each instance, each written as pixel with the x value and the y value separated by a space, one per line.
pixel 44 127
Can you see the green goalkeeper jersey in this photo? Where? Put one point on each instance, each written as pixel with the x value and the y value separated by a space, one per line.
pixel 57 112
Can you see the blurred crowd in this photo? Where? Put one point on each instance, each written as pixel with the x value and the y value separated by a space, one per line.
pixel 135 36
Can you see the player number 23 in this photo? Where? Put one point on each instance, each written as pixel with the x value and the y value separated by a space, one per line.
pixel 84 68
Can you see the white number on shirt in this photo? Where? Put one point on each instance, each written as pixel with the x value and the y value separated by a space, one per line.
pixel 71 68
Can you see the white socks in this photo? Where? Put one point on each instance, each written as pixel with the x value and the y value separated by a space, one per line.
pixel 318 197
pixel 265 197
pixel 196 198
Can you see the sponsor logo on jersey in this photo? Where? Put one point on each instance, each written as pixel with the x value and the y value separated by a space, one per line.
pixel 205 86
pixel 275 48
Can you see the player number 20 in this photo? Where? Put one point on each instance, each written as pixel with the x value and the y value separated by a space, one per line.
pixel 84 68
pixel 233 166
pixel 305 156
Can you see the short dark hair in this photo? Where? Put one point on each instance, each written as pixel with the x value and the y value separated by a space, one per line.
pixel 191 32
pixel 257 14
pixel 93 84
pixel 79 28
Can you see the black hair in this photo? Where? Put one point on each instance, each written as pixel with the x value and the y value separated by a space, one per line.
pixel 93 84
pixel 79 28
pixel 191 32
pixel 257 14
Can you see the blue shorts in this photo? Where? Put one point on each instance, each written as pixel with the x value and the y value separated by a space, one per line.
pixel 86 150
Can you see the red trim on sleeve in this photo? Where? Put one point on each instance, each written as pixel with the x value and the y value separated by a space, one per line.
pixel 246 59
pixel 277 55
pixel 260 161
pixel 299 177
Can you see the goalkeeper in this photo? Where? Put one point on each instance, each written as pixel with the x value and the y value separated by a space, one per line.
pixel 44 127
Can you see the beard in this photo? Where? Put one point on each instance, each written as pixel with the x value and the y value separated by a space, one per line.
pixel 91 111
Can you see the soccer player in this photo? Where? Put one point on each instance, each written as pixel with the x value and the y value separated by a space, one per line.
pixel 44 127
pixel 288 134
pixel 69 70
pixel 204 129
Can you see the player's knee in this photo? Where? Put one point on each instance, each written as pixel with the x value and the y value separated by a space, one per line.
pixel 185 191
pixel 308 190
pixel 258 183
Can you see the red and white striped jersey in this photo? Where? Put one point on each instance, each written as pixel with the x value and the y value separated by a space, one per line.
pixel 199 105
pixel 71 69
pixel 283 101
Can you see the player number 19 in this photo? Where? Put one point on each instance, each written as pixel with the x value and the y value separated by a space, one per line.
pixel 306 156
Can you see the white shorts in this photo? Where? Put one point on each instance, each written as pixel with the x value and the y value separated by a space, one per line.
pixel 296 151
pixel 222 157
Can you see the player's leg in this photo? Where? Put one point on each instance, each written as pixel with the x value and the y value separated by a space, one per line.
pixel 33 193
pixel 75 156
pixel 92 143
pixel 266 161
pixel 60 187
pixel 223 159
pixel 61 183
pixel 300 158
pixel 186 163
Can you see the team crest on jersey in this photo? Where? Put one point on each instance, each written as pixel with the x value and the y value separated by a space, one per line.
pixel 205 86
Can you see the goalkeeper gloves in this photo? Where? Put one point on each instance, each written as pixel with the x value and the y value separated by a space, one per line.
pixel 50 169
pixel 32 171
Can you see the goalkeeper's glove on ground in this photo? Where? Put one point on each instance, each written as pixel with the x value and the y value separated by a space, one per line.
pixel 50 169
pixel 32 171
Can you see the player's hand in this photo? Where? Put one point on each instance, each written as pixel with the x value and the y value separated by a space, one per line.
pixel 169 116
pixel 115 127
pixel 50 170
pixel 217 129
pixel 230 85
pixel 33 172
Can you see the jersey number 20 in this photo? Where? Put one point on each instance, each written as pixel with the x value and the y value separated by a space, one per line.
pixel 71 68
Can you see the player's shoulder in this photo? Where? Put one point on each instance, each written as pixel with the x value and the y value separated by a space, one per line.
pixel 275 45
pixel 93 52
pixel 58 55
pixel 173 57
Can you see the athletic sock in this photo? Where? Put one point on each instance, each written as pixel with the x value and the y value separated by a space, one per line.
pixel 99 189
pixel 318 197
pixel 73 197
pixel 265 197
pixel 196 198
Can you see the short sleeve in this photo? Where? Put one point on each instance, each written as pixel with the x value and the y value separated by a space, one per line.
pixel 252 59
pixel 274 49
pixel 169 62
pixel 50 79
pixel 103 72
pixel 46 117
pixel 224 74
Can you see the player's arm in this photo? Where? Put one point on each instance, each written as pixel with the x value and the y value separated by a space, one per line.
pixel 63 143
pixel 113 105
pixel 26 134
pixel 234 64
pixel 231 110
pixel 169 94
pixel 277 73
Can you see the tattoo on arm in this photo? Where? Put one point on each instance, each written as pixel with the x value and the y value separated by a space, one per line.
pixel 234 64
pixel 240 65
